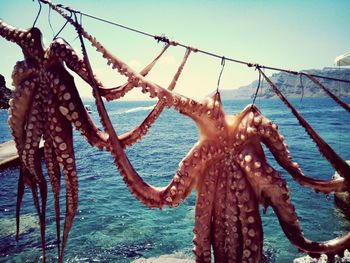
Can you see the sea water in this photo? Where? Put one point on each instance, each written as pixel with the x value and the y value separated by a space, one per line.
pixel 111 225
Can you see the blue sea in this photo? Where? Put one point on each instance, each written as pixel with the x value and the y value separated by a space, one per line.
pixel 112 226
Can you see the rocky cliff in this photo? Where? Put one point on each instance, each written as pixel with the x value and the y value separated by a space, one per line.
pixel 293 86
pixel 5 94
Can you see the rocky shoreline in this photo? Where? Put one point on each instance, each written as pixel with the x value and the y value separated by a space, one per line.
pixel 5 94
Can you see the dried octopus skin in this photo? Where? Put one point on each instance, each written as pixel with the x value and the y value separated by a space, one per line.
pixel 72 107
pixel 20 193
pixel 233 231
pixel 63 145
pixel 119 92
pixel 333 158
pixel 129 138
pixel 258 125
pixel 203 216
pixel 61 50
pixel 53 171
pixel 218 231
pixel 19 109
pixel 342 104
pixel 272 190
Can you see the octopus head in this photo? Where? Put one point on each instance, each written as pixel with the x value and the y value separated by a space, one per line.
pixel 31 43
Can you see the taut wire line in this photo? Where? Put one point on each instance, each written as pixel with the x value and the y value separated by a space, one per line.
pixel 166 40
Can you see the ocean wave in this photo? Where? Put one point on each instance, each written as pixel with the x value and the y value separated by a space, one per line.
pixel 137 109
pixel 132 110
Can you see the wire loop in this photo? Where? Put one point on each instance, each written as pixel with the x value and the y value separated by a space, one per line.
pixel 37 16
pixel 257 67
pixel 222 69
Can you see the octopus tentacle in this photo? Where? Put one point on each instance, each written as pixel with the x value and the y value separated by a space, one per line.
pixel 233 237
pixel 20 193
pixel 67 91
pixel 177 190
pixel 333 158
pixel 24 70
pixel 219 221
pixel 255 124
pixel 249 217
pixel 26 179
pixel 72 107
pixel 180 102
pixel 133 77
pixel 328 92
pixel 274 141
pixel 131 137
pixel 203 215
pixel 272 190
pixel 54 174
pixel 278 196
pixel 118 92
pixel 63 145
pixel 61 50
pixel 19 109
pixel 31 156
pixel 52 165
pixel 11 33
pixel 34 131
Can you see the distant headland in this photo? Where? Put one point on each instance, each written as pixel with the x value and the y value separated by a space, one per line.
pixel 293 87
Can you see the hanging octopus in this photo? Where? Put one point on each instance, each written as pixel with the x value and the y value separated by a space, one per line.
pixel 227 166
pixel 46 105
pixel 228 169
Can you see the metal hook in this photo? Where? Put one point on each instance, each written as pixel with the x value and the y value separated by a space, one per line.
pixel 222 69
pixel 257 67
pixel 49 20
pixel 37 16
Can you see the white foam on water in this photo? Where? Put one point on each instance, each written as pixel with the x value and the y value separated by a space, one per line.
pixel 132 110
pixel 137 109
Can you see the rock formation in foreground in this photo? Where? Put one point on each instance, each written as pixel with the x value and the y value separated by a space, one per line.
pixel 5 94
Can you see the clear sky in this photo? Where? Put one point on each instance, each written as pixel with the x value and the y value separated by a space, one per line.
pixel 296 35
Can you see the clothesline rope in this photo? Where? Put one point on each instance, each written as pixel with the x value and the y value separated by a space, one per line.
pixel 166 40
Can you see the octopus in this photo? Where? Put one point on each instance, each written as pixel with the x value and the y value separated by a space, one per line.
pixel 227 166
pixel 46 105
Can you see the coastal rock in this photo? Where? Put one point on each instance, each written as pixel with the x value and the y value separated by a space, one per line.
pixel 293 86
pixel 324 259
pixel 5 94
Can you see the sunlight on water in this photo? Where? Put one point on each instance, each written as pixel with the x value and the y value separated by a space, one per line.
pixel 112 226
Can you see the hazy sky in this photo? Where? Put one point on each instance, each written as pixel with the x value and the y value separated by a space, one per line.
pixel 290 34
